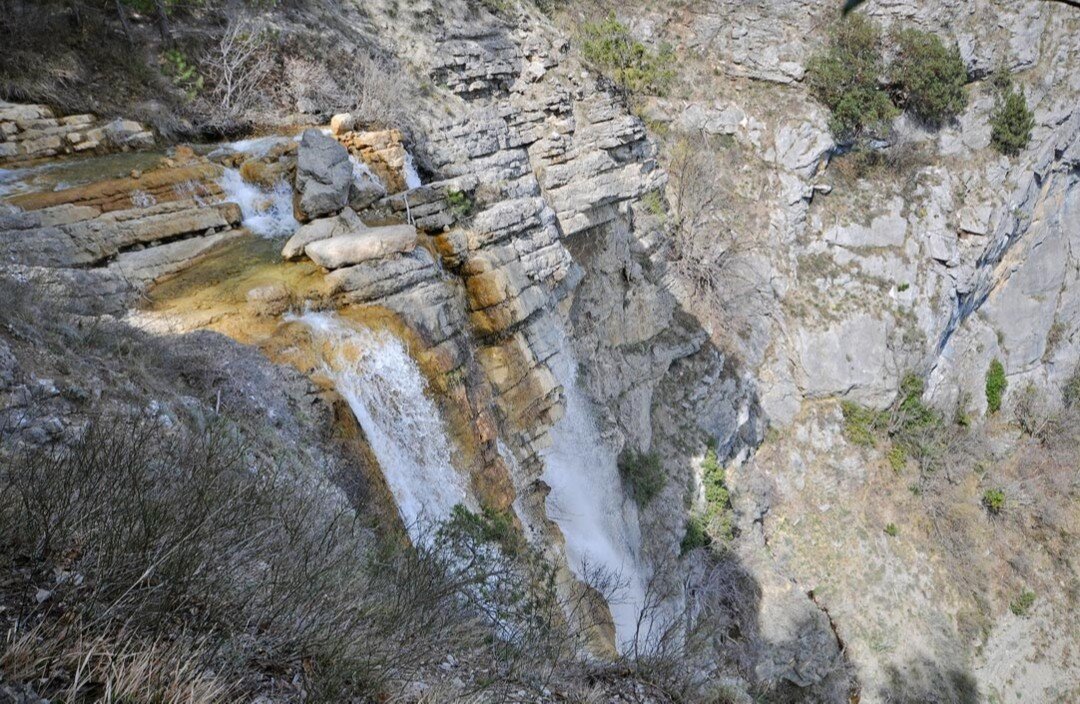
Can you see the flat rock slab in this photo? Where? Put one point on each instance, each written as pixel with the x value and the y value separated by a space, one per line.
pixel 346 250
pixel 346 223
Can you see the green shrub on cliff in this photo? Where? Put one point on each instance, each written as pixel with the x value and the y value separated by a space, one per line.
pixel 488 526
pixel 1022 604
pixel 862 424
pixel 718 518
pixel 845 77
pixel 642 474
pixel 994 500
pixel 713 525
pixel 635 68
pixel 928 77
pixel 995 385
pixel 696 535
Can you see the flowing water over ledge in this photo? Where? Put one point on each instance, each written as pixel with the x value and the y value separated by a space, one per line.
pixel 598 521
pixel 268 212
pixel 385 387
pixel 387 393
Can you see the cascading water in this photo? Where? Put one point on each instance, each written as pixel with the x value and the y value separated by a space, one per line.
pixel 375 375
pixel 597 520
pixel 363 176
pixel 412 178
pixel 267 212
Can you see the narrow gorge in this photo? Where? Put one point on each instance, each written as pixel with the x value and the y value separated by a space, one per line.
pixel 515 351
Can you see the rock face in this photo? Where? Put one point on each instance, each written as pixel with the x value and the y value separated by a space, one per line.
pixel 112 239
pixel 197 180
pixel 540 244
pixel 324 176
pixel 74 236
pixel 29 132
pixel 949 257
pixel 528 251
pixel 383 152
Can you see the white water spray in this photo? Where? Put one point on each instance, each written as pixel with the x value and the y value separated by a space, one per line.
pixel 598 521
pixel 412 178
pixel 387 393
pixel 267 212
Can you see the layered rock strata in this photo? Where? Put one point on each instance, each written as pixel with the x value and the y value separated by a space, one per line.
pixel 29 132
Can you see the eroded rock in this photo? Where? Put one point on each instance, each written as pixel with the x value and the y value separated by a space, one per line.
pixel 356 247
pixel 324 228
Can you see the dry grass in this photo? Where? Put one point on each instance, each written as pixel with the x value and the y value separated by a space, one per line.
pixel 72 55
pixel 112 669
pixel 163 534
pixel 173 561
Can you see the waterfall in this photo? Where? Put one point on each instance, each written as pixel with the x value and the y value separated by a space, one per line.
pixel 412 178
pixel 267 212
pixel 363 176
pixel 375 375
pixel 597 520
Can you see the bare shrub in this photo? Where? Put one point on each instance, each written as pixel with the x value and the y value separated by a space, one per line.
pixel 371 88
pixel 716 224
pixel 694 631
pixel 1032 413
pixel 238 65
pixel 145 532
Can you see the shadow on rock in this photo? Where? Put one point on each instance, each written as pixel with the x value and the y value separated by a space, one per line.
pixel 924 681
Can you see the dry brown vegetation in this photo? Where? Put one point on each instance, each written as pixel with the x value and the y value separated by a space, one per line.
pixel 717 228
pixel 1026 535
pixel 155 559
pixel 221 68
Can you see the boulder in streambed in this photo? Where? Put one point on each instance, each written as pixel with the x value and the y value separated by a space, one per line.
pixel 324 176
pixel 346 222
pixel 375 243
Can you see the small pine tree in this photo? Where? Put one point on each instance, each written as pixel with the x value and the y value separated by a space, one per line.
pixel 994 500
pixel 1022 604
pixel 642 474
pixel 1011 123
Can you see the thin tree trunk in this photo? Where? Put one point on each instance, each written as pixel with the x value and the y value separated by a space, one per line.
pixel 123 19
pixel 163 20
pixel 76 12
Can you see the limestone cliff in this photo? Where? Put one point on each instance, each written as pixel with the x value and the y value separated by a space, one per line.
pixel 519 235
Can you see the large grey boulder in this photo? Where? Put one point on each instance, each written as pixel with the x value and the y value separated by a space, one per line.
pixel 324 176
pixel 357 247
pixel 324 228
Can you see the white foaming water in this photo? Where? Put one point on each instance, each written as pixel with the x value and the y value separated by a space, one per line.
pixel 387 393
pixel 412 178
pixel 597 520
pixel 363 175
pixel 255 147
pixel 267 212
